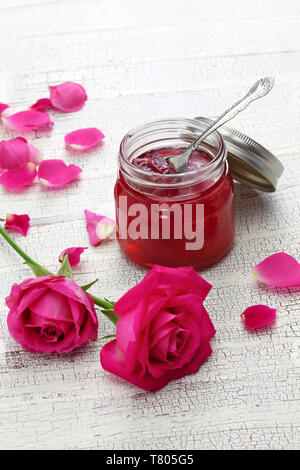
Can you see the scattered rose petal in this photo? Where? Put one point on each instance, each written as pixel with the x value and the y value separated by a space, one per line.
pixel 19 223
pixel 258 316
pixel 3 107
pixel 41 105
pixel 83 139
pixel 74 255
pixel 55 173
pixel 29 120
pixel 99 227
pixel 18 178
pixel 35 156
pixel 279 270
pixel 68 97
pixel 17 152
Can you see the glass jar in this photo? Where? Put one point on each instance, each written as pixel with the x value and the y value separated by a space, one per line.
pixel 184 219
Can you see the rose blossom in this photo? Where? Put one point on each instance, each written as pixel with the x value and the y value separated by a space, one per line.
pixel 51 314
pixel 163 331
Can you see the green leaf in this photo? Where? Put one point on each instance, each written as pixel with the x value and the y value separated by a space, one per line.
pixel 65 269
pixel 88 286
pixel 39 271
pixel 108 337
pixel 110 314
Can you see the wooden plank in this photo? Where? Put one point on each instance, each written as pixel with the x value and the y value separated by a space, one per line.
pixel 141 61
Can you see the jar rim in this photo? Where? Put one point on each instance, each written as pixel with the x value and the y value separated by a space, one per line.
pixel 168 124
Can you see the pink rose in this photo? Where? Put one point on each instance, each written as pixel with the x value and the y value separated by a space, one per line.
pixel 51 314
pixel 163 331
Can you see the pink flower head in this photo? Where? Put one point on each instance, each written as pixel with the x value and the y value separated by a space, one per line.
pixel 29 120
pixel 19 177
pixel 163 332
pixel 55 173
pixel 51 314
pixel 99 227
pixel 73 254
pixel 3 107
pixel 68 97
pixel 258 316
pixel 16 152
pixel 84 139
pixel 19 223
pixel 280 270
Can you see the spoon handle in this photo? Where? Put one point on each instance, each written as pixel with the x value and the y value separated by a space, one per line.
pixel 259 89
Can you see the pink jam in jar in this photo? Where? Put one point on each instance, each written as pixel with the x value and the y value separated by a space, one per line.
pixel 167 218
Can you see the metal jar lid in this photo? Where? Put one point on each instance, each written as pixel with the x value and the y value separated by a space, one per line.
pixel 249 162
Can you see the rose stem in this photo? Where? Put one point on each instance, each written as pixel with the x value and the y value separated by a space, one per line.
pixel 20 251
pixel 101 302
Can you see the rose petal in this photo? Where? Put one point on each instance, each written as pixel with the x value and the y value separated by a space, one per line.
pixel 74 255
pixel 41 105
pixel 159 277
pixel 28 120
pixel 13 153
pixel 113 360
pixel 34 320
pixel 17 152
pixel 74 292
pixel 258 316
pixel 68 97
pixel 280 270
pixel 19 177
pixel 13 299
pixel 53 306
pixel 3 107
pixel 55 173
pixel 99 227
pixel 19 223
pixel 35 156
pixel 83 139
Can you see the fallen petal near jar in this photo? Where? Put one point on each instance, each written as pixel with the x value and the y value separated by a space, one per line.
pixel 3 107
pixel 99 227
pixel 279 270
pixel 18 178
pixel 68 97
pixel 55 173
pixel 258 316
pixel 73 254
pixel 19 223
pixel 41 105
pixel 17 152
pixel 28 120
pixel 83 139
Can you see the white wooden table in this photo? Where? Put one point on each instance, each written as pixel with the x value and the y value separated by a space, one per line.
pixel 141 60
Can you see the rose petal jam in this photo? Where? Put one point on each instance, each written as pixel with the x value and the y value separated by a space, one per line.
pixel 155 160
pixel 170 219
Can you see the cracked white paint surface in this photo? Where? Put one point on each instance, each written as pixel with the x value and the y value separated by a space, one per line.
pixel 141 60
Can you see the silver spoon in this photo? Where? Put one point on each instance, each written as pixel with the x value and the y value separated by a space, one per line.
pixel 259 89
